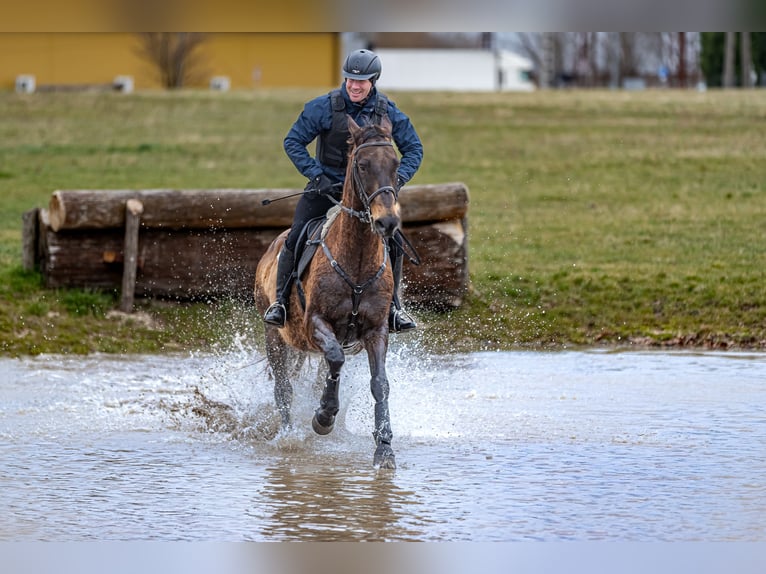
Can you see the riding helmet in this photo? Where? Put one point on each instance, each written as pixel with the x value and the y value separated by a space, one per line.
pixel 362 65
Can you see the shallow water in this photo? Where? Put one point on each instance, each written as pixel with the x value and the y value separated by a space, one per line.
pixel 490 447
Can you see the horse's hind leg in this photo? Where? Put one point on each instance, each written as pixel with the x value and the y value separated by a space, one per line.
pixel 377 346
pixel 278 356
pixel 329 404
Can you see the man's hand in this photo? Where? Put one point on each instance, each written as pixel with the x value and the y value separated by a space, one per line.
pixel 320 185
pixel 399 183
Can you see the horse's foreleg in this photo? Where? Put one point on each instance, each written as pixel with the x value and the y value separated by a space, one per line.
pixel 329 404
pixel 377 346
pixel 277 354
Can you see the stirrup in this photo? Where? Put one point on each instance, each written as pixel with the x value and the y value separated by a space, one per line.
pixel 399 320
pixel 276 314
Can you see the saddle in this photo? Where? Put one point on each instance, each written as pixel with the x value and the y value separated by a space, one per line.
pixel 310 238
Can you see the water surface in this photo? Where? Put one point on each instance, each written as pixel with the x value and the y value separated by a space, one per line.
pixel 503 446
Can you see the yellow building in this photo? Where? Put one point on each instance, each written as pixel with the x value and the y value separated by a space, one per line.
pixel 248 60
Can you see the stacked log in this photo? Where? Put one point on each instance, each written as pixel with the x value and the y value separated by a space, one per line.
pixel 197 244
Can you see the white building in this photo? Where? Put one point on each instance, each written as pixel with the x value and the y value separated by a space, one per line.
pixel 454 70
pixel 515 72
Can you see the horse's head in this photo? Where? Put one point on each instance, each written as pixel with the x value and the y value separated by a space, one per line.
pixel 371 174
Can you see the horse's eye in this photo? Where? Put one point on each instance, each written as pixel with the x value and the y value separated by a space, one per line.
pixel 363 165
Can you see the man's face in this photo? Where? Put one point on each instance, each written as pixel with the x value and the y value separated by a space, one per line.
pixel 358 90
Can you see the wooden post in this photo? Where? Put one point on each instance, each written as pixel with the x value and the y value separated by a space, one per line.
pixel 133 211
pixel 29 239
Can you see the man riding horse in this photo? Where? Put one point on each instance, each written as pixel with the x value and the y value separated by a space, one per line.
pixel 325 119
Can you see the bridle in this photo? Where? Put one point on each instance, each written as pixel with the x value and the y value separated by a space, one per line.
pixel 365 216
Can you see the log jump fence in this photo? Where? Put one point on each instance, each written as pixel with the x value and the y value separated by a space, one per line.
pixel 204 244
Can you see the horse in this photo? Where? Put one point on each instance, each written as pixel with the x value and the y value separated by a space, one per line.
pixel 340 305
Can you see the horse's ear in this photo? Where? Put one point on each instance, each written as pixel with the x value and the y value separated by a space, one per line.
pixel 386 124
pixel 353 127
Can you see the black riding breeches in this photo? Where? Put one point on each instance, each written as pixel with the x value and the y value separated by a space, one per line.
pixel 309 206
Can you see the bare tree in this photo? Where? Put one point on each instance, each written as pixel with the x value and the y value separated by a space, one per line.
pixel 682 72
pixel 613 58
pixel 746 59
pixel 586 64
pixel 631 61
pixel 550 59
pixel 607 58
pixel 546 50
pixel 529 46
pixel 175 55
pixel 728 60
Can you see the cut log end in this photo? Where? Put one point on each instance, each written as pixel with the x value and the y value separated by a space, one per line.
pixel 134 207
pixel 56 211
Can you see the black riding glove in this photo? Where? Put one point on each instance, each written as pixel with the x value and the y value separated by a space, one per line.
pixel 320 185
pixel 399 183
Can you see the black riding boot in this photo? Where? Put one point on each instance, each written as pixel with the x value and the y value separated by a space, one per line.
pixel 276 314
pixel 398 319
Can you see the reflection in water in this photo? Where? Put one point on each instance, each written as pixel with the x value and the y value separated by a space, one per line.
pixel 331 502
pixel 490 447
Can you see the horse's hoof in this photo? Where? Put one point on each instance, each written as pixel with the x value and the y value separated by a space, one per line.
pixel 319 428
pixel 384 457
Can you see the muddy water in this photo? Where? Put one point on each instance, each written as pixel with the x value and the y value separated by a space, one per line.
pixel 490 447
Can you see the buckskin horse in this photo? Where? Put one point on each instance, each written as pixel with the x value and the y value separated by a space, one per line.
pixel 340 304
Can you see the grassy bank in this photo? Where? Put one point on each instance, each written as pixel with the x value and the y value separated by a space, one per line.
pixel 596 218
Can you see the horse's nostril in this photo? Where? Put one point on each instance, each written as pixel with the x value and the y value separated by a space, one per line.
pixel 387 225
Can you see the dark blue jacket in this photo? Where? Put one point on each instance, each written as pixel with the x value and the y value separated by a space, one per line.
pixel 316 118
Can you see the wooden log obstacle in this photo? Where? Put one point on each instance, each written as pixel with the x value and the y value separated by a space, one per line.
pixel 204 244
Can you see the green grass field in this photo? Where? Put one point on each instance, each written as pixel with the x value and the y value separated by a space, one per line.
pixel 596 218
